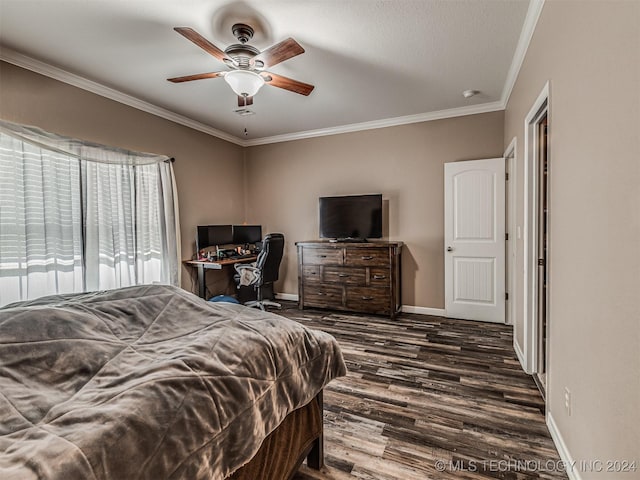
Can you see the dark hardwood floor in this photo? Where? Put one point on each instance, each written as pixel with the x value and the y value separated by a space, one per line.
pixel 429 398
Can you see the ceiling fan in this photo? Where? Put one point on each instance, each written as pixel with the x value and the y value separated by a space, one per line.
pixel 247 63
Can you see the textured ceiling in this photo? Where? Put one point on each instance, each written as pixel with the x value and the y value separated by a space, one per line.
pixel 369 60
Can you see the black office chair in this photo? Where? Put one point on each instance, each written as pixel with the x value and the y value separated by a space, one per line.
pixel 264 272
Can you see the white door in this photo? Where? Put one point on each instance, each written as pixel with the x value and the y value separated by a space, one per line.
pixel 474 239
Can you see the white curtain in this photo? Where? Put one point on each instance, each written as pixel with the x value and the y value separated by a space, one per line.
pixel 104 217
pixel 40 222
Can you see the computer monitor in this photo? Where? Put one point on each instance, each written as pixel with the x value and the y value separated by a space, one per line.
pixel 212 235
pixel 243 234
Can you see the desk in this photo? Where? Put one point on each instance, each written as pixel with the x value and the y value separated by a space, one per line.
pixel 217 265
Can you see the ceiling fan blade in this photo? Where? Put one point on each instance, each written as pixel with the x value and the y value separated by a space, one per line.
pixel 279 53
pixel 287 83
pixel 203 43
pixel 244 101
pixel 197 76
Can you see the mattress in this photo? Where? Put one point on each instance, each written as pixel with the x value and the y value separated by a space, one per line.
pixel 148 382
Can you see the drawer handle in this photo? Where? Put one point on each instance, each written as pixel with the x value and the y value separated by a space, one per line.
pixel 312 273
pixel 321 294
pixel 367 298
pixel 367 257
pixel 322 256
pixel 343 275
pixel 379 277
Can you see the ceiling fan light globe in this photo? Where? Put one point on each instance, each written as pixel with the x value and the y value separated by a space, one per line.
pixel 244 82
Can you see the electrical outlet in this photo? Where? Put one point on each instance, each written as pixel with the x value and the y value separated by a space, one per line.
pixel 567 400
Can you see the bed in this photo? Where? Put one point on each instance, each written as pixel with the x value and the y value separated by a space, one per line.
pixel 152 382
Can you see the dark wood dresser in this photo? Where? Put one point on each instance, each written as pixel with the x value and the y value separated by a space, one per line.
pixel 358 277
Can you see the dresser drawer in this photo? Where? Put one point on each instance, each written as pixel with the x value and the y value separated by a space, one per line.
pixel 322 296
pixel 344 275
pixel 380 277
pixel 368 299
pixel 365 257
pixel 322 256
pixel 311 273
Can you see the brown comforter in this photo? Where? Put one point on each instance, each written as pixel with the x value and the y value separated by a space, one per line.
pixel 148 383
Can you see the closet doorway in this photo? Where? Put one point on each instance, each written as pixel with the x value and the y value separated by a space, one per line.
pixel 537 239
pixel 542 248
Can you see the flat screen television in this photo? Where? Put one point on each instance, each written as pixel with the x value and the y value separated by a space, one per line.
pixel 212 235
pixel 247 234
pixel 352 217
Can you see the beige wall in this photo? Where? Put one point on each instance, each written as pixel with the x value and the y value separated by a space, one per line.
pixel 403 163
pixel 209 171
pixel 590 54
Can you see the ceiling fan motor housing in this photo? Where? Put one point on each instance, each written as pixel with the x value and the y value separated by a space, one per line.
pixel 241 53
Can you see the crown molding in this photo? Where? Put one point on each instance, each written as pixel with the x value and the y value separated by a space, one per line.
pixel 387 122
pixel 11 56
pixel 531 20
pixel 529 26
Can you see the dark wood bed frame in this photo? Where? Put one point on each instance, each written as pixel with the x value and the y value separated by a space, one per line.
pixel 315 452
pixel 299 436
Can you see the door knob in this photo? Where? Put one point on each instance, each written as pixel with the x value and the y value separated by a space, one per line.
pixel 449 249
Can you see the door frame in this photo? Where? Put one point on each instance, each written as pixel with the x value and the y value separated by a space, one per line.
pixel 539 109
pixel 511 246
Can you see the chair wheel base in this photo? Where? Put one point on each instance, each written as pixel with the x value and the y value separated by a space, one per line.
pixel 261 304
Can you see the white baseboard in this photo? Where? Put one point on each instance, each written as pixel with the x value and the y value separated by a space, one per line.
pixel 572 467
pixel 436 312
pixel 287 296
pixel 520 355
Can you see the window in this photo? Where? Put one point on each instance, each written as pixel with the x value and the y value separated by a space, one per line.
pixel 79 217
